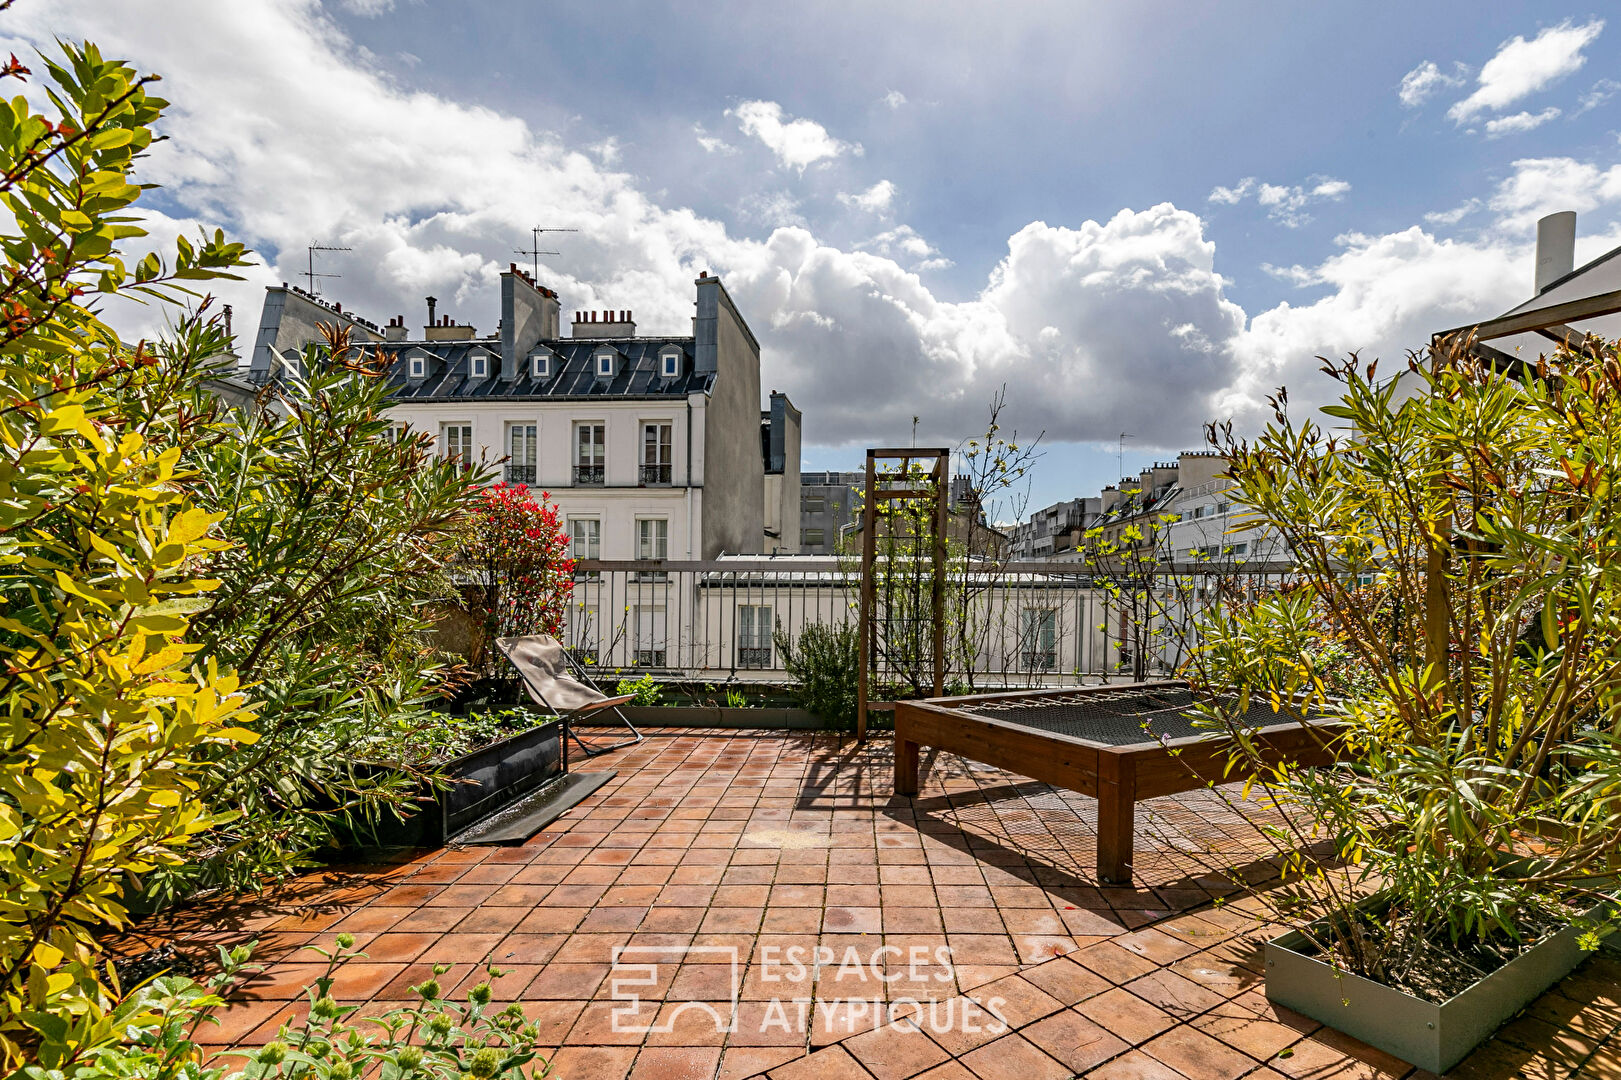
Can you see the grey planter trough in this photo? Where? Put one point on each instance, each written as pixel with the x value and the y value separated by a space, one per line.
pixel 1423 1033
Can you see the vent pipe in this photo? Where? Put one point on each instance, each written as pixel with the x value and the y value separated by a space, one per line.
pixel 1556 248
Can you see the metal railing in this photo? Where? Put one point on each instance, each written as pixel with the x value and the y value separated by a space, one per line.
pixel 656 474
pixel 520 474
pixel 589 475
pixel 1029 623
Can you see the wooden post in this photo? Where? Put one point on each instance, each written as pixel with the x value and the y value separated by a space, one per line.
pixel 1117 799
pixel 866 638
pixel 937 593
pixel 907 757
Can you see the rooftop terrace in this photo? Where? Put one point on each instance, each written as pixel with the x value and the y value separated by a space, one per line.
pixel 749 844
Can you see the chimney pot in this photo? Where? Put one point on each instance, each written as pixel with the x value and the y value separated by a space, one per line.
pixel 433 302
pixel 1556 248
pixel 703 273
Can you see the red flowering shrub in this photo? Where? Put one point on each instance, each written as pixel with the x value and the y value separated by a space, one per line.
pixel 521 573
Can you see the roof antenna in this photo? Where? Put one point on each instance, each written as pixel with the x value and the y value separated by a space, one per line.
pixel 535 252
pixel 315 287
pixel 1120 455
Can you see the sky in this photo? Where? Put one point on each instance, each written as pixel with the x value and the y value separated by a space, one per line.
pixel 1135 218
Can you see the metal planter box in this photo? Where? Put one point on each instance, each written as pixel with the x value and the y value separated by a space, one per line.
pixel 1431 1036
pixel 484 781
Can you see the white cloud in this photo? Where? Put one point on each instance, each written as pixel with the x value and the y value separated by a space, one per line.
pixel 797 143
pixel 875 200
pixel 1384 295
pixel 368 8
pixel 904 245
pixel 1230 196
pixel 1542 186
pixel 1515 123
pixel 712 144
pixel 1285 204
pixel 894 99
pixel 1601 92
pixel 1521 67
pixel 772 209
pixel 1422 83
pixel 1120 323
pixel 1454 215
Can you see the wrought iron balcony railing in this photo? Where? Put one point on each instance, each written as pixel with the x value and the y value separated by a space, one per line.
pixel 520 474
pixel 655 474
pixel 588 474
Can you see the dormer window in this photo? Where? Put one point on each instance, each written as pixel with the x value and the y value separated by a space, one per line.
pixel 540 364
pixel 607 361
pixel 670 363
pixel 478 365
pixel 417 366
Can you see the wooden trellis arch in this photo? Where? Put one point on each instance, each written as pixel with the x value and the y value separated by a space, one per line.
pixel 898 488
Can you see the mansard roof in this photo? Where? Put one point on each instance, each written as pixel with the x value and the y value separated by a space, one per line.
pixel 573 371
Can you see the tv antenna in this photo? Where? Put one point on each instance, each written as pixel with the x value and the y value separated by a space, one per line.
pixel 315 286
pixel 536 252
pixel 1120 455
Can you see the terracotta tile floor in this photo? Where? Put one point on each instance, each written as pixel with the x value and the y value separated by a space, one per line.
pixel 778 863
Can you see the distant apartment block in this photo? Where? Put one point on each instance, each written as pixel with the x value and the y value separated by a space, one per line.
pixel 1172 514
pixel 829 506
pixel 652 446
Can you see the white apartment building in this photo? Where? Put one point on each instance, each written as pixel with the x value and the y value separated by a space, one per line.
pixel 651 446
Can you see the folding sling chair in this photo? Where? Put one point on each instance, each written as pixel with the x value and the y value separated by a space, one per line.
pixel 559 684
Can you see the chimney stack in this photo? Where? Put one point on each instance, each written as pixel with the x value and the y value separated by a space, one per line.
pixel 1556 248
pixel 433 302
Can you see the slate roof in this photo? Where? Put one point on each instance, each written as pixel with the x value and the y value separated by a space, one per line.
pixel 573 371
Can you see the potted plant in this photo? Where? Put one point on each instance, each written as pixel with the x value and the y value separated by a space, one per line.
pixel 483 762
pixel 1456 603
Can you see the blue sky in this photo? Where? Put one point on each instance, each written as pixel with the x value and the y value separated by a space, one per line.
pixel 1137 217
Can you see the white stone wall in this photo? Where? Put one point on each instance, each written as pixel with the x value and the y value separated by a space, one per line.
pixel 620 501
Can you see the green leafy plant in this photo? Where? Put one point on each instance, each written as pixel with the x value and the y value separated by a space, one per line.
pixel 823 663
pixel 445 736
pixel 647 691
pixel 437 1038
pixel 337 559
pixel 1480 787
pixel 109 716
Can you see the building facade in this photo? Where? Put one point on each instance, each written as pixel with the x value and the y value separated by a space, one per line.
pixel 829 506
pixel 652 446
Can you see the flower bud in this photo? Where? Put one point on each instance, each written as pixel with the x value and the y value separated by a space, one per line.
pixel 272 1053
pixel 480 994
pixel 346 940
pixel 485 1062
pixel 409 1057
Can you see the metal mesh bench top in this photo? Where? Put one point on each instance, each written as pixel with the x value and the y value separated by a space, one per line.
pixel 1117 718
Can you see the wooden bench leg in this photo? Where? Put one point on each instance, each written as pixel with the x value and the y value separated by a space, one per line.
pixel 1117 798
pixel 907 754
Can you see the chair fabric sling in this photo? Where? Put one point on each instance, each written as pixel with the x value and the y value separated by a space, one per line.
pixel 555 681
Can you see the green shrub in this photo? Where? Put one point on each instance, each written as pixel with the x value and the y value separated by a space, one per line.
pixel 434 1039
pixel 1476 677
pixel 646 690
pixel 824 664
pixel 108 715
